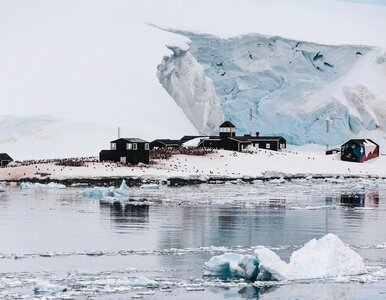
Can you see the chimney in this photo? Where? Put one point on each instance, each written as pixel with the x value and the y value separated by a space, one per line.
pixel 257 133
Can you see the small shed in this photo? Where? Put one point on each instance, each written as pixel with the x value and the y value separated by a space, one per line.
pixel 274 143
pixel 332 151
pixel 359 150
pixel 5 159
pixel 127 150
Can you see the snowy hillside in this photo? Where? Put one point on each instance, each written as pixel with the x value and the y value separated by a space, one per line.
pixel 72 72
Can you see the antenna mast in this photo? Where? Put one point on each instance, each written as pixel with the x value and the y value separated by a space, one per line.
pixel 250 121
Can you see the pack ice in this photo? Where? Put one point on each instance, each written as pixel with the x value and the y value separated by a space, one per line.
pixel 102 192
pixel 326 257
pixel 51 185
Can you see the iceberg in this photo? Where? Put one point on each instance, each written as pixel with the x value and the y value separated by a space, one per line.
pixel 51 185
pixel 232 265
pixel 102 192
pixel 327 257
pixel 122 191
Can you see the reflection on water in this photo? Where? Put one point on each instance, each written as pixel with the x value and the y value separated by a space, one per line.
pixel 228 217
pixel 127 213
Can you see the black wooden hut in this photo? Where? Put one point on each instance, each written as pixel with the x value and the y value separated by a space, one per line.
pixel 359 150
pixel 228 140
pixel 227 129
pixel 5 159
pixel 274 143
pixel 127 150
pixel 165 143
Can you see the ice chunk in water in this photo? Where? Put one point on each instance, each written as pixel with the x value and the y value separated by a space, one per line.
pixel 2 190
pixel 232 265
pixel 47 288
pixel 51 185
pixel 327 257
pixel 145 282
pixel 82 272
pixel 102 192
pixel 122 191
pixel 150 186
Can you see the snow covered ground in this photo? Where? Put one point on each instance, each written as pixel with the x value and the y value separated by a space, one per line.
pixel 225 164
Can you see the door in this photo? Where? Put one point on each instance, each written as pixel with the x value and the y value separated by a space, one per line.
pixel 123 159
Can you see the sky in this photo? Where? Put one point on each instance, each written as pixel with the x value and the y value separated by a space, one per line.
pixel 95 62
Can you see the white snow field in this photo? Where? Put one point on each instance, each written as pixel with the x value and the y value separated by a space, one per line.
pixel 327 257
pixel 221 164
pixel 72 72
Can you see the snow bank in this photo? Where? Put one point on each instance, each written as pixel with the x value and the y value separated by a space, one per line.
pixel 51 185
pixel 102 192
pixel 324 258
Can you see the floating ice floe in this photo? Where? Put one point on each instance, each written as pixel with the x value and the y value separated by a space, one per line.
pixel 47 288
pixel 51 185
pixel 149 186
pixel 144 282
pixel 280 180
pixel 367 183
pixel 232 265
pixel 102 192
pixel 327 257
pixel 82 272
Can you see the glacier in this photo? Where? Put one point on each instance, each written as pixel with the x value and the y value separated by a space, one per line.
pixel 327 257
pixel 185 80
pixel 292 87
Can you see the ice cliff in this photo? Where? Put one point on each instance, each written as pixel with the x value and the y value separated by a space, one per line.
pixel 185 80
pixel 291 86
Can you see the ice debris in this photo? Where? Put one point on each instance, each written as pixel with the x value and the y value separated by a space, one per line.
pixel 232 265
pixel 327 257
pixel 51 185
pixel 47 288
pixel 82 272
pixel 144 282
pixel 149 186
pixel 102 192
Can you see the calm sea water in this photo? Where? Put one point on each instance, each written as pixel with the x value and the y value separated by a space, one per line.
pixel 97 249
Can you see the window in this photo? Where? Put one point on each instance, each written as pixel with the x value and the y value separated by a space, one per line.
pixel 268 146
pixel 113 146
pixel 135 147
pixel 129 146
pixel 282 146
pixel 147 146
